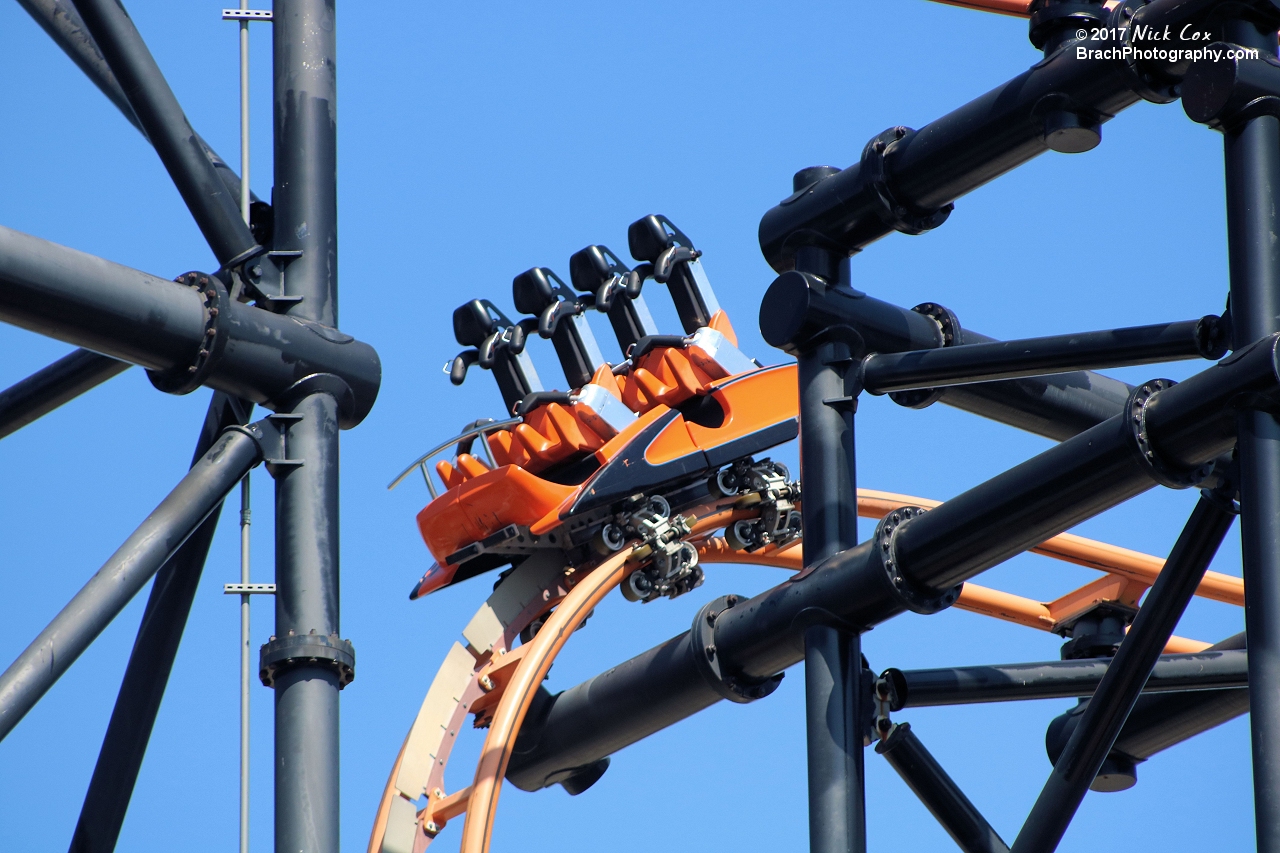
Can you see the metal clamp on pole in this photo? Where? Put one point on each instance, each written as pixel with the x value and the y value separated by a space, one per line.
pixel 282 654
pixel 271 434
pixel 702 640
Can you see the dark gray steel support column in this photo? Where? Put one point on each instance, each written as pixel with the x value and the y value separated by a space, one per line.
pixel 306 709
pixel 1103 719
pixel 306 147
pixel 307 554
pixel 1252 156
pixel 150 663
pixel 827 370
pixel 198 494
pixel 48 388
pixel 939 793
pixel 833 734
pixel 215 210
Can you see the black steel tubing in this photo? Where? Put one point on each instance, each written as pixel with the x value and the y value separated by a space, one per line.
pixel 938 792
pixel 307 530
pixel 1058 407
pixel 827 380
pixel 197 495
pixel 150 662
pixel 920 173
pixel 50 387
pixel 268 359
pixel 1187 425
pixel 1159 722
pixel 1190 423
pixel 834 740
pixel 1105 715
pixel 1231 95
pixel 1059 679
pixel 215 211
pixel 962 365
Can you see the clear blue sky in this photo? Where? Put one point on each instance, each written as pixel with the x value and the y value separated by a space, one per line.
pixel 476 141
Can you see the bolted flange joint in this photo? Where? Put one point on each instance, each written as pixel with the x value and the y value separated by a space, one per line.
pixel 282 654
pixel 910 594
pixel 952 334
pixel 185 378
pixel 893 211
pixel 270 359
pixel 710 664
pixel 1159 470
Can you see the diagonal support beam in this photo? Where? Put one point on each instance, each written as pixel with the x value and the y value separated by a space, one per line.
pixel 939 793
pixel 143 686
pixel 48 388
pixel 197 495
pixel 1127 673
pixel 215 210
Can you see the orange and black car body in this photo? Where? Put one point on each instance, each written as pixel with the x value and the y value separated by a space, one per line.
pixel 572 478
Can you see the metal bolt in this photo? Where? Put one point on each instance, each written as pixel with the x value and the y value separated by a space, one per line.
pixel 486 683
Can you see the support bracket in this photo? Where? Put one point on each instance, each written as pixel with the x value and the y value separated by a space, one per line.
pixel 271 434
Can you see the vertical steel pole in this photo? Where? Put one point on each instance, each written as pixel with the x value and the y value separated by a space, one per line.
pixel 306 694
pixel 245 198
pixel 244 665
pixel 245 193
pixel 145 678
pixel 832 653
pixel 1252 155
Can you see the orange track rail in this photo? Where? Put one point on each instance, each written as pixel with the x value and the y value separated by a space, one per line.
pixel 1016 8
pixel 1128 575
